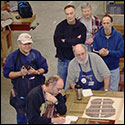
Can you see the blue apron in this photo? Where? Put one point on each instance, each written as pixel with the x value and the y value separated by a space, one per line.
pixel 88 79
pixel 22 86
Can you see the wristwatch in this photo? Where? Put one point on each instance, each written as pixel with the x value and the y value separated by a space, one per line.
pixel 38 72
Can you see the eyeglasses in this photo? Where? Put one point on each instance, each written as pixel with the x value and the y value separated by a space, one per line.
pixel 59 89
pixel 81 54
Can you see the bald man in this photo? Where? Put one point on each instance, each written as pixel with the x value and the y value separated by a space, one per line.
pixel 87 69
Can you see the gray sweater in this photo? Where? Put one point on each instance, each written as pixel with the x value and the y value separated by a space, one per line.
pixel 98 65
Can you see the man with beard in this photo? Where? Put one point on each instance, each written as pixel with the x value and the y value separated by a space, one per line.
pixel 87 69
pixel 92 23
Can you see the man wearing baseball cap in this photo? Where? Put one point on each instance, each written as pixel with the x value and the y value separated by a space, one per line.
pixel 25 67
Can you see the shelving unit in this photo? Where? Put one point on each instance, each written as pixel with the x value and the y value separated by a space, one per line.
pixel 21 24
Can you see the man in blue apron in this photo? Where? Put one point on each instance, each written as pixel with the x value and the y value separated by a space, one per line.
pixel 87 69
pixel 25 67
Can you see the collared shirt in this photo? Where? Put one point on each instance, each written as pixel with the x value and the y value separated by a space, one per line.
pixel 34 55
pixel 96 24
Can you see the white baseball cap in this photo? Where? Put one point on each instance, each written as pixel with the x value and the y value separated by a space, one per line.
pixel 25 38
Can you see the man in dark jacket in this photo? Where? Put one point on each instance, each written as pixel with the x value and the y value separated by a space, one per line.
pixel 45 103
pixel 67 34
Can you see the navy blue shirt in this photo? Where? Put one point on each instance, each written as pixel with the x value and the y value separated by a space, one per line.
pixel 34 55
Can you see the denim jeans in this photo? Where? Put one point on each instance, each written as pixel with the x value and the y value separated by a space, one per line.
pixel 21 119
pixel 89 48
pixel 62 69
pixel 115 77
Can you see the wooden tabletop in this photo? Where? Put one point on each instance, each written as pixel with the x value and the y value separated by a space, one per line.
pixel 21 23
pixel 21 20
pixel 76 107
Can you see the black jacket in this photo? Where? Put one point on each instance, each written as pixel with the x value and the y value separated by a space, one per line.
pixel 34 101
pixel 70 34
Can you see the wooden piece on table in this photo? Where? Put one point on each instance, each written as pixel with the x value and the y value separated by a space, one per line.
pixel 73 103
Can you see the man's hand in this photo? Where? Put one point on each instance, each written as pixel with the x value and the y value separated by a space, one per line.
pixel 72 85
pixel 32 71
pixel 59 120
pixel 89 41
pixel 24 71
pixel 13 93
pixel 103 52
pixel 50 97
pixel 63 40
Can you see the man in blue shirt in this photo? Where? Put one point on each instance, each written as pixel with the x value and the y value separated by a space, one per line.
pixel 25 67
pixel 108 42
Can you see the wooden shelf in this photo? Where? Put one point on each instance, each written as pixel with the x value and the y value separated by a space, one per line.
pixel 6 43
pixel 22 23
pixel 119 28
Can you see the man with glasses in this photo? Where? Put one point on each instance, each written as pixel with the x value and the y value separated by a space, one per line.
pixel 45 103
pixel 92 23
pixel 88 70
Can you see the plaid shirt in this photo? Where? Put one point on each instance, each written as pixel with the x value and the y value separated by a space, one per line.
pixel 96 24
